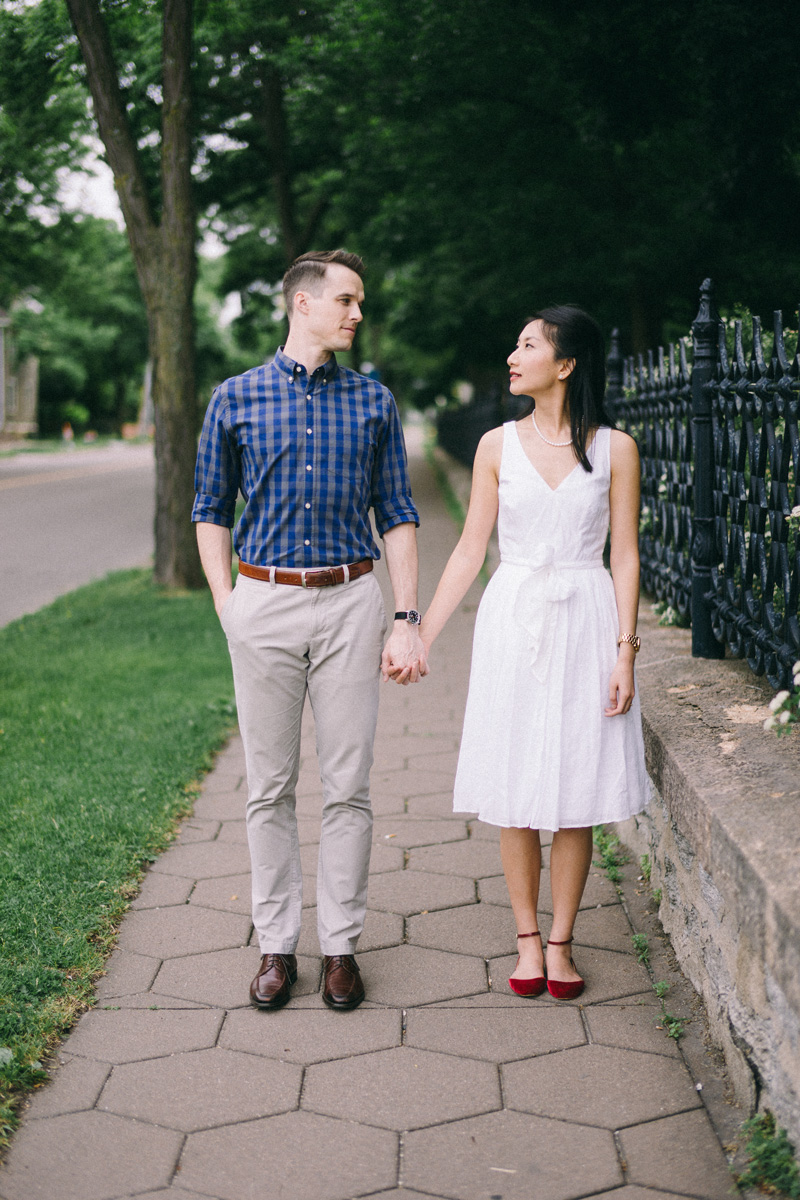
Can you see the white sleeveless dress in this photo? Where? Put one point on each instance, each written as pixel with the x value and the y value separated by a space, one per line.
pixel 537 750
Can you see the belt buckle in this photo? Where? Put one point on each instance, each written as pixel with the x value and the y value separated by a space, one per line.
pixel 303 578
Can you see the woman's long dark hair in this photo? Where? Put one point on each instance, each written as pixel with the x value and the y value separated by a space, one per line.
pixel 574 334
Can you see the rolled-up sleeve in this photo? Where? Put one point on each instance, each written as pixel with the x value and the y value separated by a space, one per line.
pixel 217 472
pixel 391 491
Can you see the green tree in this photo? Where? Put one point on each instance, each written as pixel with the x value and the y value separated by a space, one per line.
pixel 161 225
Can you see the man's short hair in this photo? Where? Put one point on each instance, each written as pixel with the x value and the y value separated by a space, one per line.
pixel 308 271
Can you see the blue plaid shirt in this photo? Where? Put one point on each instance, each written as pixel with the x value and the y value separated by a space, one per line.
pixel 311 457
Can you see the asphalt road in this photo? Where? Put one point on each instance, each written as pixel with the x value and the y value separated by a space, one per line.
pixel 69 517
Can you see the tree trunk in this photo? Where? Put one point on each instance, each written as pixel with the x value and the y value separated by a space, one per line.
pixel 165 258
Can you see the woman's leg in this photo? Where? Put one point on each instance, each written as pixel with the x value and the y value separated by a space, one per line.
pixel 521 853
pixel 570 859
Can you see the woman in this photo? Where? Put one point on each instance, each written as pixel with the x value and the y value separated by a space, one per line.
pixel 552 732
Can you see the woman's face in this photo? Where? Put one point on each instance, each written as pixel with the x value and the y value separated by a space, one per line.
pixel 533 367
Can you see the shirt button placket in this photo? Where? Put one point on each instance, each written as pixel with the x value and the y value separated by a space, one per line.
pixel 309 469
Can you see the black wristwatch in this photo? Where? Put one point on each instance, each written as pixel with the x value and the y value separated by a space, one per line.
pixel 412 616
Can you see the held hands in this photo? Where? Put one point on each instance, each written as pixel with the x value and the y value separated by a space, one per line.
pixel 621 688
pixel 404 659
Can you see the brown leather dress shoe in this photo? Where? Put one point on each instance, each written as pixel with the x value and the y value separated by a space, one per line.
pixel 271 987
pixel 342 986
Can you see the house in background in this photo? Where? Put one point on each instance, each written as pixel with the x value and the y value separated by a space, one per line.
pixel 19 387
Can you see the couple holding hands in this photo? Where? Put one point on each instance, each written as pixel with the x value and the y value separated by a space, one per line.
pixel 552 732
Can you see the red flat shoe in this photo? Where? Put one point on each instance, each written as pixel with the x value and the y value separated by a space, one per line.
pixel 565 990
pixel 528 987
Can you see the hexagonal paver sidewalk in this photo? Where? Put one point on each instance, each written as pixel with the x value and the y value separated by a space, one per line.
pixel 442 1085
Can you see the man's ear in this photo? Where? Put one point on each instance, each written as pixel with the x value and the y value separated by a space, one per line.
pixel 301 302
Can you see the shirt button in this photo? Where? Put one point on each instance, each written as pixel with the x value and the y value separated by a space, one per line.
pixel 308 506
pixel 308 397
pixel 309 431
pixel 308 466
pixel 308 543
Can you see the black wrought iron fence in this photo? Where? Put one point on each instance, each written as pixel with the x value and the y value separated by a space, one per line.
pixel 717 429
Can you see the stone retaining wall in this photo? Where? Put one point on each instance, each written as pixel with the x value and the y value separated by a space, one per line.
pixel 723 837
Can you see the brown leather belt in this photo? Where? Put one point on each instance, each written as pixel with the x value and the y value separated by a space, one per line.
pixel 310 577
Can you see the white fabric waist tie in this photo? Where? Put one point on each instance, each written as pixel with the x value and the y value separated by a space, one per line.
pixel 546 585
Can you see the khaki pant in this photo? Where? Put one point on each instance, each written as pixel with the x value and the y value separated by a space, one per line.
pixel 284 641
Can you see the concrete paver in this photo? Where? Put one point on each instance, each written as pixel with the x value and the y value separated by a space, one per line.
pixel 201 1089
pixel 511 1155
pixel 298 1156
pixel 599 1085
pixel 310 1037
pixel 443 1084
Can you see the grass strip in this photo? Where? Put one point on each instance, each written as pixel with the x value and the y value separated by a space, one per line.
pixel 112 701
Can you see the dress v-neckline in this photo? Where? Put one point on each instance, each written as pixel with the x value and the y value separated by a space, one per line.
pixel 537 472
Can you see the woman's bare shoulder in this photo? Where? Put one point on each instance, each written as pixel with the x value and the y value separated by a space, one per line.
pixel 623 447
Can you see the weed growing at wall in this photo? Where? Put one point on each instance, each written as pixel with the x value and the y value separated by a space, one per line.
pixel 611 851
pixel 772 1166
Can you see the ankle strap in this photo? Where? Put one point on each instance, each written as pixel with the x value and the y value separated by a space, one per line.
pixel 537 933
pixel 550 942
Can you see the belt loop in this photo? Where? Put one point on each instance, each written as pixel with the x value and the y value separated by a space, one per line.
pixel 346 571
pixel 303 579
pixel 272 580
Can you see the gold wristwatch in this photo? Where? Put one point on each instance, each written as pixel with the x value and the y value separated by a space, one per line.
pixel 631 639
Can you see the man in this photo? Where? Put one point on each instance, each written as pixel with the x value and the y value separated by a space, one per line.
pixel 313 446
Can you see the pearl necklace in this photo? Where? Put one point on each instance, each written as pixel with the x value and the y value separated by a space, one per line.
pixel 546 439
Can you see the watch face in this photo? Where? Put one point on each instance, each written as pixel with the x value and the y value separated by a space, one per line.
pixel 413 617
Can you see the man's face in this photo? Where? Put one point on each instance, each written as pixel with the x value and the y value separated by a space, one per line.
pixel 335 311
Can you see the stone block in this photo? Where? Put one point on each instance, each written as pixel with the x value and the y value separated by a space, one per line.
pixel 329 1159
pixel 496 1036
pixel 511 1155
pixel 699 1169
pixel 126 973
pixel 634 1192
pixel 74 1086
pixel 437 804
pixel 183 929
pixel 201 1089
pixel 310 1035
pixel 483 929
pixel 229 893
pixel 88 1156
pixel 405 1088
pixel 409 782
pixel 385 857
pixel 204 860
pixel 196 829
pixel 632 1026
pixel 223 978
pixel 225 802
pixel 607 927
pixel 600 1085
pixel 409 975
pixel 159 891
pixel 380 929
pixel 408 892
pixel 474 859
pixel 407 832
pixel 131 1035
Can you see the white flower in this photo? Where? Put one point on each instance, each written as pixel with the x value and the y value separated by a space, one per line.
pixel 777 700
pixel 796 668
pixel 795 511
pixel 785 717
pixel 770 723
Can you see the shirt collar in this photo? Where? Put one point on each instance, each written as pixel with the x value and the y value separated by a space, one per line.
pixel 294 369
